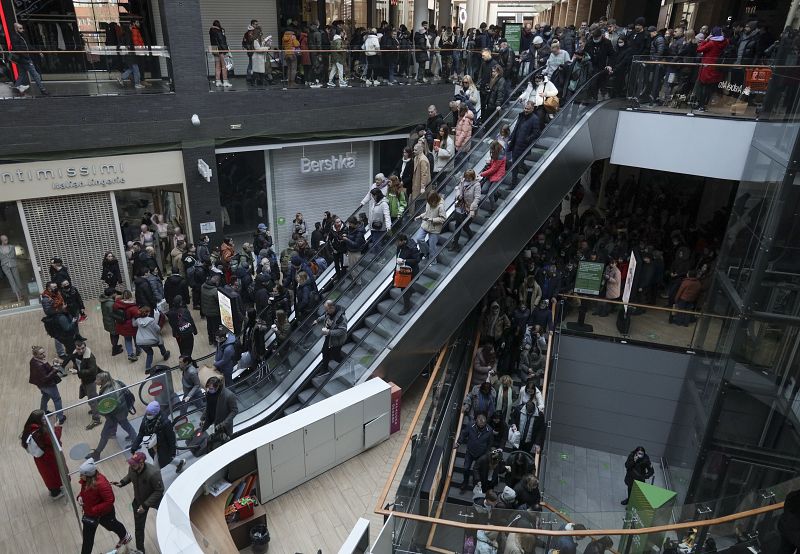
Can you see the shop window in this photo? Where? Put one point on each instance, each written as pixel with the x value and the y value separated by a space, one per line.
pixel 243 193
pixel 143 207
pixel 18 285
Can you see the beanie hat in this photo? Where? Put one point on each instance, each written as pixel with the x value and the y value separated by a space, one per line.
pixel 262 227
pixel 88 468
pixel 537 40
pixel 153 408
pixel 137 458
pixel 296 260
pixel 508 495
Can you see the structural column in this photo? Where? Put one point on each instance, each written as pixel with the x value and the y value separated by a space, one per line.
pixel 476 13
pixel 572 6
pixel 445 13
pixel 582 11
pixel 556 13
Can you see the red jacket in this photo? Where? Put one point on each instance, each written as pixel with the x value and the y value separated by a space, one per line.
pixel 126 328
pixel 495 171
pixel 99 499
pixel 136 37
pixel 689 290
pixel 711 50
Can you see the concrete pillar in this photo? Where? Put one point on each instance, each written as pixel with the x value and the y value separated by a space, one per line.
pixel 582 11
pixel 556 13
pixel 572 5
pixel 562 14
pixel 420 13
pixel 445 13
pixel 189 65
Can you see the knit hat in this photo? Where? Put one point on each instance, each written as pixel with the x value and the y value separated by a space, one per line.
pixel 262 227
pixel 296 260
pixel 537 40
pixel 508 495
pixel 88 468
pixel 137 458
pixel 153 408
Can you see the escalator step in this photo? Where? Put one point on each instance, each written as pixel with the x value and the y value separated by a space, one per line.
pixel 385 306
pixel 373 342
pixel 333 388
pixel 306 394
pixel 384 327
pixel 292 409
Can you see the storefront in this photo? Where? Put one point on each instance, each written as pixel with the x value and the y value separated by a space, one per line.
pixel 78 210
pixel 271 183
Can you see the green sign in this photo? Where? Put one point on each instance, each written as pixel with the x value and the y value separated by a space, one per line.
pixel 107 405
pixel 281 221
pixel 513 34
pixel 590 278
pixel 648 506
pixel 184 431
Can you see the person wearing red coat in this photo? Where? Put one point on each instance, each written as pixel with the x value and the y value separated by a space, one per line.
pixel 97 499
pixel 127 305
pixel 494 171
pixel 710 75
pixel 35 432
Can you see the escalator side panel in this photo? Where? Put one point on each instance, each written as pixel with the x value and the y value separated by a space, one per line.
pixel 496 248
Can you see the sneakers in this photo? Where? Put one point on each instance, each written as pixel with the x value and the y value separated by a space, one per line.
pixel 139 86
pixel 125 540
pixel 93 424
pixel 367 83
pixel 120 82
pixel 343 84
pixel 133 358
pixel 57 495
pixel 117 350
pixel 23 88
pixel 376 82
pixel 93 455
pixel 218 83
pixel 167 355
pixel 226 84
pixel 62 419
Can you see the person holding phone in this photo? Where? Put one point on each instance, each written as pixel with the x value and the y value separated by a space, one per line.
pixel 638 468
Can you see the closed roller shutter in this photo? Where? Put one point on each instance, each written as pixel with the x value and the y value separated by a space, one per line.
pixel 337 191
pixel 235 16
pixel 80 229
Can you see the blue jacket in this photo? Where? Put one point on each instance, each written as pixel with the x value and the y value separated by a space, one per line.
pixel 525 132
pixel 476 440
pixel 354 239
pixel 290 281
pixel 223 359
pixel 304 297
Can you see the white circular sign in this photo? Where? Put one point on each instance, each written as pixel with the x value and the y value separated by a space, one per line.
pixel 462 15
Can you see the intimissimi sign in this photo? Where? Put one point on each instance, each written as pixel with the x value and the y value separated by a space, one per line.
pixel 42 179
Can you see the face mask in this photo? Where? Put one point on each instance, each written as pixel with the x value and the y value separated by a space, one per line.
pixel 150 416
pixel 621 44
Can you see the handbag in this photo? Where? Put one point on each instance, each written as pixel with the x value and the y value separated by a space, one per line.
pixel 402 276
pixel 229 62
pixel 150 441
pixel 33 448
pixel 551 104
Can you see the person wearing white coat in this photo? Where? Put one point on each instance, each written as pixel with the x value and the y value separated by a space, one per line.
pixel 468 90
pixel 261 47
pixel 380 217
pixel 444 151
pixel 541 88
pixel 372 48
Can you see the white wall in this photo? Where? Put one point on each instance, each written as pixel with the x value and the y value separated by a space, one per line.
pixel 704 146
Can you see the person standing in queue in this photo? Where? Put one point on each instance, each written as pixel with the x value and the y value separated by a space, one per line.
pixel 407 255
pixel 334 329
pixel 637 468
pixel 148 490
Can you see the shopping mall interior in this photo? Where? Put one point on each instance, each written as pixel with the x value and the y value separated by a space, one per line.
pixel 392 276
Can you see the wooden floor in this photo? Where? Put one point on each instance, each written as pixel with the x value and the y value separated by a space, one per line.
pixel 325 508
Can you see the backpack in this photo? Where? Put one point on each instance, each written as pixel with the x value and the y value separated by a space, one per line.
pixel 318 265
pixel 185 327
pixel 127 397
pixel 119 315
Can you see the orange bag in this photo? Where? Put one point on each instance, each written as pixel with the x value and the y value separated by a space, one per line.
pixel 402 277
pixel 757 78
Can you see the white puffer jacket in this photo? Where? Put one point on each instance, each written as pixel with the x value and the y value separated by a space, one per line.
pixel 546 89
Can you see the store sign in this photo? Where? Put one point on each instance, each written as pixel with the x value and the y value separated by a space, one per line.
pixel 329 164
pixel 43 179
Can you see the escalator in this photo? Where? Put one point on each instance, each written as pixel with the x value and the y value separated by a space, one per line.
pixel 383 343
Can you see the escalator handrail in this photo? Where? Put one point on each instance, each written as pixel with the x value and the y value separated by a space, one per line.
pixel 459 228
pixel 363 262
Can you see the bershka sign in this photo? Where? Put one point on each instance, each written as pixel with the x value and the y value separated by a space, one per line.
pixel 331 163
pixel 48 178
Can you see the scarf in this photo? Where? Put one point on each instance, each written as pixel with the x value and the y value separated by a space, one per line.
pixel 58 300
pixel 499 404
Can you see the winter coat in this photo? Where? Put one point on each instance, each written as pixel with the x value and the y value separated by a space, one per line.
pixel 226 410
pixel 148 488
pixel 372 46
pixel 380 216
pixel 144 293
pixel 209 301
pixel 289 43
pixel 526 131
pixel 481 469
pixel 106 309
pixel 99 499
pixel 46 463
pixel 545 90
pixel 613 283
pixel 536 295
pixel 690 290
pixel 464 130
pixel 181 322
pixel 354 239
pixel 161 427
pixel 497 96
pixel 481 366
pixel 476 440
pixel 397 203
pixel 472 94
pixel 305 298
pixel 148 333
pixel 434 217
pixel 223 358
pixel 110 274
pixel 495 325
pixel 443 155
pixel 126 328
pixel 496 170
pixel 87 366
pixel 658 47
pixel 42 374
pixel 711 49
pixel 469 196
pixel 175 285
pixel 336 325
pixel 422 174
pixel 410 256
pixel 555 61
pixel 260 55
pixel 305 56
pixel 216 36
pixel 338 55
pixel 638 470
